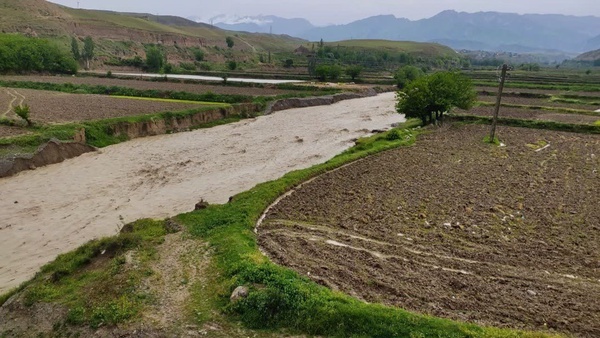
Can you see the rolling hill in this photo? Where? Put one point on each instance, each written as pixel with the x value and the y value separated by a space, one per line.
pixel 125 34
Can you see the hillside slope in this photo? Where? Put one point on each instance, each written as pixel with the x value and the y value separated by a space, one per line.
pixel 44 19
pixel 589 56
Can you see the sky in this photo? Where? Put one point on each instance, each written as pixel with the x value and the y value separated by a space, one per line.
pixel 337 11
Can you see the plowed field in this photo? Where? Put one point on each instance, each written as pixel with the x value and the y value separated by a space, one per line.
pixel 458 228
pixel 154 85
pixel 56 107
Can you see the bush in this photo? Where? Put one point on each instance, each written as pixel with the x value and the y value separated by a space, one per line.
pixel 190 67
pixel 205 66
pixel 22 111
pixel 232 65
pixel 198 55
pixel 289 63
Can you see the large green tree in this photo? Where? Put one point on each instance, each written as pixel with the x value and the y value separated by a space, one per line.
pixel 88 51
pixel 354 71
pixel 155 59
pixel 429 97
pixel 75 49
pixel 407 74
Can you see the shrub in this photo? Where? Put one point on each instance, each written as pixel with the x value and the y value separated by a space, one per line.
pixel 190 67
pixel 198 55
pixel 22 111
pixel 232 65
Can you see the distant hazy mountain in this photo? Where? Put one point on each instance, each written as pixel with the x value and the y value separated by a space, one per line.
pixel 589 56
pixel 489 31
pixel 263 24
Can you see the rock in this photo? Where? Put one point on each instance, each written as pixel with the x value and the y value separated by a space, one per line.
pixel 239 293
pixel 531 293
pixel 172 227
pixel 201 205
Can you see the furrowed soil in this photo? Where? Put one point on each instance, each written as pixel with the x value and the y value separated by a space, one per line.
pixel 458 228
pixel 154 85
pixel 531 114
pixel 538 102
pixel 494 90
pixel 56 107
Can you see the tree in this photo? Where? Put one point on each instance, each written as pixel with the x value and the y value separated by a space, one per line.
pixel 88 51
pixel 353 71
pixel 325 72
pixel 406 75
pixel 232 65
pixel 75 49
pixel 288 63
pixel 429 97
pixel 229 41
pixel 154 59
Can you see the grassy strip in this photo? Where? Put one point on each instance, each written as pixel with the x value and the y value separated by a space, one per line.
pixel 92 281
pixel 576 99
pixel 512 122
pixel 279 297
pixel 214 104
pixel 554 109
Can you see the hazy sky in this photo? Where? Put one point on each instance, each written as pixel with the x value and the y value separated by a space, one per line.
pixel 338 11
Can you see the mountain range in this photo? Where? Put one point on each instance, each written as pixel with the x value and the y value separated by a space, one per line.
pixel 490 31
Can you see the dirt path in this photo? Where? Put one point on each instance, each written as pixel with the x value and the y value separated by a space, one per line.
pixel 57 208
pixel 15 95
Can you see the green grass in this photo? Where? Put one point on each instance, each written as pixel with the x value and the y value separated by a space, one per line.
pixel 92 281
pixel 98 133
pixel 206 103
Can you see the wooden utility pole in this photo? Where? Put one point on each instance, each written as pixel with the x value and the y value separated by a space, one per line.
pixel 498 100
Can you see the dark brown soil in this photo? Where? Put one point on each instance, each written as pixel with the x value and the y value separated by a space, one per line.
pixel 146 85
pixel 454 227
pixel 56 107
pixel 530 114
pixel 7 131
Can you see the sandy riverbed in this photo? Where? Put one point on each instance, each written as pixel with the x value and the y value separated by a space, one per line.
pixel 57 208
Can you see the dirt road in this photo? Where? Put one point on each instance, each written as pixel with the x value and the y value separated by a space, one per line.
pixel 57 208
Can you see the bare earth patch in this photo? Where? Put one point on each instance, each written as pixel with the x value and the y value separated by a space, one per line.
pixel 455 227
